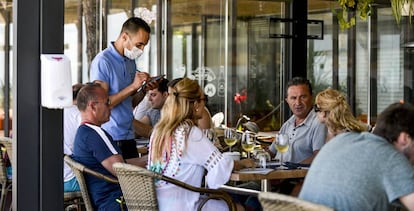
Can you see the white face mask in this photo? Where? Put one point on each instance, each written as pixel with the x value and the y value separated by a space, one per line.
pixel 134 53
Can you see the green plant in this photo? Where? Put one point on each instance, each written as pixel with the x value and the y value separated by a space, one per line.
pixel 399 7
pixel 360 7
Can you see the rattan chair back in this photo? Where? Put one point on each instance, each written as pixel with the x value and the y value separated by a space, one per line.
pixel 138 187
pixel 73 199
pixel 276 201
pixel 79 170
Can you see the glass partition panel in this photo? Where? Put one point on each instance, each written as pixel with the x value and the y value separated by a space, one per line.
pixel 320 54
pixel 6 68
pixel 362 69
pixel 228 50
pixel 391 57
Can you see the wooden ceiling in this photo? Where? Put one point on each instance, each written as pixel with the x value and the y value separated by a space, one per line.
pixel 191 11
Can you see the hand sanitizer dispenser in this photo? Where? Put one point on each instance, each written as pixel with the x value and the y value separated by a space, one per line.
pixel 56 80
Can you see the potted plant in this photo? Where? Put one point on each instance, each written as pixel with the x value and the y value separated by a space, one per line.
pixel 362 8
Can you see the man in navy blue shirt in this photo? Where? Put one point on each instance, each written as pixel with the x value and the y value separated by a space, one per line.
pixel 95 148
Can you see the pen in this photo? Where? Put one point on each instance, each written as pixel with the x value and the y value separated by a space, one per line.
pixel 142 86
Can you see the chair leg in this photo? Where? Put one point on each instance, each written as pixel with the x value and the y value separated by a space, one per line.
pixel 3 194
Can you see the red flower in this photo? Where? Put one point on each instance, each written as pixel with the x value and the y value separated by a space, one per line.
pixel 239 98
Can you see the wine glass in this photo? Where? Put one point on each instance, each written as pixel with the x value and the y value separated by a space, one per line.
pixel 230 137
pixel 248 142
pixel 281 145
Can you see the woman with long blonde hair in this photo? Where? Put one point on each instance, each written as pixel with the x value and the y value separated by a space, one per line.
pixel 179 149
pixel 335 113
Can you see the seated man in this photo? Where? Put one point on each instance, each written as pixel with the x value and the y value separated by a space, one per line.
pixel 156 97
pixel 366 171
pixel 95 148
pixel 306 134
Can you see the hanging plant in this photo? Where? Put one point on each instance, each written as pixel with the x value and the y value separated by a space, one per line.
pixel 400 8
pixel 362 8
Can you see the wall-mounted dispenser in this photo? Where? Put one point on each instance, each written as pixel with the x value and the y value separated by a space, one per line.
pixel 56 81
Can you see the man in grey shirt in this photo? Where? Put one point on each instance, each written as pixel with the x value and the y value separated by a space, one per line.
pixel 365 171
pixel 306 134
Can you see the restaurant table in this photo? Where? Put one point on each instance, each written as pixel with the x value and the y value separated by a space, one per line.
pixel 142 146
pixel 256 174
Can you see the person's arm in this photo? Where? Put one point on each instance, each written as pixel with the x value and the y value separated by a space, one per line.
pixel 137 98
pixel 310 159
pixel 408 201
pixel 268 149
pixel 117 98
pixel 318 140
pixel 141 161
pixel 142 129
pixel 245 163
pixel 108 162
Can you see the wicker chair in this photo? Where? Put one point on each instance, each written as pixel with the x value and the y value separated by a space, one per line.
pixel 6 183
pixel 138 187
pixel 276 201
pixel 79 170
pixel 72 198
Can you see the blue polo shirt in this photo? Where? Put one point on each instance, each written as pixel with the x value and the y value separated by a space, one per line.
pixel 118 72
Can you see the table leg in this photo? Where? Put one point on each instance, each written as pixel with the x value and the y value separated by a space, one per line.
pixel 265 185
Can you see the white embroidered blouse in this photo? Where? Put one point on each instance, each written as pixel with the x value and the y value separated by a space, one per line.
pixel 188 166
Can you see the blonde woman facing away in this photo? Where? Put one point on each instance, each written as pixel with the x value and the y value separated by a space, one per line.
pixel 179 150
pixel 333 110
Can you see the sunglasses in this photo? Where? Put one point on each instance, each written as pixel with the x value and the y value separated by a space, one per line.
pixel 316 108
pixel 107 103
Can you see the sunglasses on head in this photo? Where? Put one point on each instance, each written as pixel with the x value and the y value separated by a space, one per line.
pixel 316 108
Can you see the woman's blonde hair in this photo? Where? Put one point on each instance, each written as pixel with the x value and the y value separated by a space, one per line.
pixel 178 109
pixel 339 114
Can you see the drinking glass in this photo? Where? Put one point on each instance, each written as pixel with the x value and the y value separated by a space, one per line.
pixel 230 137
pixel 248 142
pixel 281 145
pixel 262 157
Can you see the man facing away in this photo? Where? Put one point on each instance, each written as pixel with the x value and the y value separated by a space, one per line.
pixel 306 134
pixel 367 171
pixel 115 69
pixel 143 127
pixel 95 148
